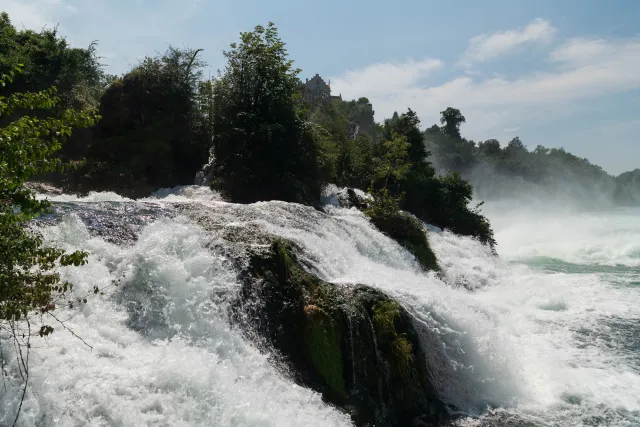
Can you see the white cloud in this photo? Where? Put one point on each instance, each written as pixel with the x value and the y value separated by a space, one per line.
pixel 583 51
pixel 579 49
pixel 36 14
pixel 374 79
pixel 492 104
pixel 489 46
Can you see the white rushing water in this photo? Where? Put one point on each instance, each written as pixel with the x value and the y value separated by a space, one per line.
pixel 546 333
pixel 163 352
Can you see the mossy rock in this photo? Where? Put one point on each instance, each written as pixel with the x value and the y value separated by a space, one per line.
pixel 353 344
pixel 407 231
pixel 322 344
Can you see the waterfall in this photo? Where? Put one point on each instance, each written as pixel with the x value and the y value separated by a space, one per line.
pixel 205 175
pixel 537 339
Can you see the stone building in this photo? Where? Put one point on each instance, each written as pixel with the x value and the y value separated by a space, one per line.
pixel 315 90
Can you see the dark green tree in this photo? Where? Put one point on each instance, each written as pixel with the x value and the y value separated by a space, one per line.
pixel 48 60
pixel 392 163
pixel 442 201
pixel 408 125
pixel 156 126
pixel 490 148
pixel 451 119
pixel 264 148
pixel 352 157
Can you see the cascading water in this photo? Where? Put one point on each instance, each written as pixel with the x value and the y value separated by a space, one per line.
pixel 546 341
pixel 205 175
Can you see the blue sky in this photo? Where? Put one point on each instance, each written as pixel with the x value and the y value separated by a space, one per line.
pixel 557 73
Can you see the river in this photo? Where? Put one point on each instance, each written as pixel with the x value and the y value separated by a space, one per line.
pixel 546 334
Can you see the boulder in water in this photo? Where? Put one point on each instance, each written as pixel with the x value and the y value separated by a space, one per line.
pixel 405 229
pixel 354 344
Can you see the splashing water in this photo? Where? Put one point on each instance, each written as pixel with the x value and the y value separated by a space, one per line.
pixel 507 339
pixel 163 352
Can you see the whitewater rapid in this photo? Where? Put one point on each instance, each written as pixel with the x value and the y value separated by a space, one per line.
pixel 543 334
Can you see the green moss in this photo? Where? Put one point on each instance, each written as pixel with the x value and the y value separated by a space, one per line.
pixel 402 353
pixel 401 350
pixel 322 342
pixel 285 257
pixel 321 332
pixel 384 314
pixel 408 232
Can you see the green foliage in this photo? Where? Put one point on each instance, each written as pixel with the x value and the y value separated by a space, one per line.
pixel 627 190
pixel 328 153
pixel 392 161
pixel 264 149
pixel 156 127
pixel 383 204
pixel 402 351
pixel 403 228
pixel 322 342
pixel 359 112
pixel 384 316
pixel 453 212
pixel 413 184
pixel 353 158
pixel 451 119
pixel 407 125
pixel 48 61
pixel 29 283
pixel 450 152
pixel 161 120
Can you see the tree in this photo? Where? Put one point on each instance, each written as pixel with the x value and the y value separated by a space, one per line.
pixel 516 144
pixel 156 127
pixel 392 163
pixel 263 147
pixel 451 119
pixel 407 124
pixel 453 210
pixel 29 284
pixel 353 157
pixel 48 60
pixel 490 148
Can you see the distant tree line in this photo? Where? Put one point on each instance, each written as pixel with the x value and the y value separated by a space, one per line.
pixel 498 170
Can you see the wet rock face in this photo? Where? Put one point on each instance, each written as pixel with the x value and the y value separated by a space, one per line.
pixel 407 231
pixel 117 223
pixel 353 344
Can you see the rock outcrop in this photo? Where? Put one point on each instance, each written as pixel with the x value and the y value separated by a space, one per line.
pixel 405 229
pixel 354 344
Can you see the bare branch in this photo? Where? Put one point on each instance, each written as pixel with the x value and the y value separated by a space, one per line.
pixel 70 330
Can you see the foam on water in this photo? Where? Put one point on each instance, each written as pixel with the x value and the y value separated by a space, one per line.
pixel 525 340
pixel 185 193
pixel 92 197
pixel 549 347
pixel 163 351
